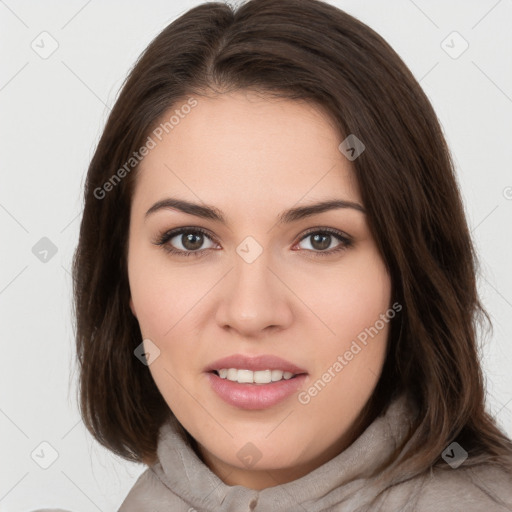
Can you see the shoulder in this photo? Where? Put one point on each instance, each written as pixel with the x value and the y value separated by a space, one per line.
pixel 472 489
pixel 148 490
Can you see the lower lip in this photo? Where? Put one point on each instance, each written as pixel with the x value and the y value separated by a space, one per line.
pixel 255 396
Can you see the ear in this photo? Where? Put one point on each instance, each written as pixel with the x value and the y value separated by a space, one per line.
pixel 132 307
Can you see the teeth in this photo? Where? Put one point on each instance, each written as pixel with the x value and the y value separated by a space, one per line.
pixel 276 375
pixel 248 376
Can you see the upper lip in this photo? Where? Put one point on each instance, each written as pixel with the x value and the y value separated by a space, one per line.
pixel 254 363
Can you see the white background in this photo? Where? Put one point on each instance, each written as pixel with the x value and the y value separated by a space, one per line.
pixel 52 114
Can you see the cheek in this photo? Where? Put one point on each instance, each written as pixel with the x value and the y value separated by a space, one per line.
pixel 164 299
pixel 351 299
pixel 162 294
pixel 350 357
pixel 349 363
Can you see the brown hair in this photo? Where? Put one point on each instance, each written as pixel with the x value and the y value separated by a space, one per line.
pixel 303 50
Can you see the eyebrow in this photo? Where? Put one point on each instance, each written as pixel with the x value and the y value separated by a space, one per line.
pixel 286 217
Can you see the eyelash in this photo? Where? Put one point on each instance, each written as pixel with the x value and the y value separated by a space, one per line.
pixel 162 240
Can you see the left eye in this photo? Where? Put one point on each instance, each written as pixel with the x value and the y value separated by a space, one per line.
pixel 322 241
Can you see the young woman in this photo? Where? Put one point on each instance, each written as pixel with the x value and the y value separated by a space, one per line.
pixel 275 282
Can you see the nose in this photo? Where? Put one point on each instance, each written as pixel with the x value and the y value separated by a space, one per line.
pixel 254 299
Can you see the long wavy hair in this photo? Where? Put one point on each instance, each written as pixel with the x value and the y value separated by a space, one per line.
pixel 304 50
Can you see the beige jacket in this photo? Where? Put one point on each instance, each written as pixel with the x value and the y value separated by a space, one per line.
pixel 181 482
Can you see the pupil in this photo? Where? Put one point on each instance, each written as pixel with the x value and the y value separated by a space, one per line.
pixel 188 241
pixel 321 245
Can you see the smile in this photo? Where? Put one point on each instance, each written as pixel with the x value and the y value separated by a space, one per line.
pixel 252 396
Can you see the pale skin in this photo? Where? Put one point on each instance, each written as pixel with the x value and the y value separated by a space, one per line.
pixel 253 157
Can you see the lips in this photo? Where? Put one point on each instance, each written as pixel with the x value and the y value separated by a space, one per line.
pixel 255 363
pixel 255 396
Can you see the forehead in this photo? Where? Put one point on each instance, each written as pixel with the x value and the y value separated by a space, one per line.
pixel 246 150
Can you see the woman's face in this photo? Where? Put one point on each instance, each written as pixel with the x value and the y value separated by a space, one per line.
pixel 309 288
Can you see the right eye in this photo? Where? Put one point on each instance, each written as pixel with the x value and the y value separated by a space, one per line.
pixel 184 241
